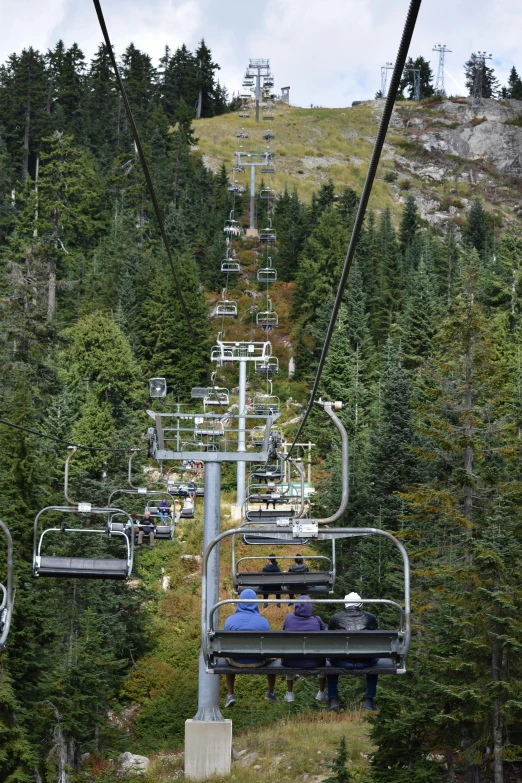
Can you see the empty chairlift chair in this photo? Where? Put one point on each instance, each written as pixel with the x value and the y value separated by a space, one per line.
pixel 226 307
pixel 216 396
pixel 267 319
pixel 6 591
pixel 86 566
pixel 267 194
pixel 267 274
pixel 187 511
pixel 230 265
pixel 265 404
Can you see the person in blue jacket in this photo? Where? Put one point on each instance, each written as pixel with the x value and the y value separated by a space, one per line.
pixel 302 619
pixel 247 618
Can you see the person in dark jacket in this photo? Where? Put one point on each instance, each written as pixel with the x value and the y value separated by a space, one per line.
pixel 247 618
pixel 147 528
pixel 298 567
pixel 353 618
pixel 302 619
pixel 271 567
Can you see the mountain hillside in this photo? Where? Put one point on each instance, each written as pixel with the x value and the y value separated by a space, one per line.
pixel 445 152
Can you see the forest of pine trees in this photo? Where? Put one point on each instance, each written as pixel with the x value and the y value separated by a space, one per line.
pixel 426 356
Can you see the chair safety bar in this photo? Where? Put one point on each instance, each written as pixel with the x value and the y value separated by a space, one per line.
pixel 6 607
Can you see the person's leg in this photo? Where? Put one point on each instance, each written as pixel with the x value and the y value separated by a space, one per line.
pixel 333 686
pixel 140 538
pixel 290 682
pixel 322 683
pixel 271 682
pixel 230 683
pixel 151 540
pixel 371 686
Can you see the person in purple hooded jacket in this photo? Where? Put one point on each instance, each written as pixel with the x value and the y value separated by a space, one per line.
pixel 302 619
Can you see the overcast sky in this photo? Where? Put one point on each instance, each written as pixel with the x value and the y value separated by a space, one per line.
pixel 328 51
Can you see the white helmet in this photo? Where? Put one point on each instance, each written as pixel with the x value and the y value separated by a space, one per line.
pixel 353 599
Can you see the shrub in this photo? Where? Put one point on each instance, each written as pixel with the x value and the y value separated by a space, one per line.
pixel 405 183
pixel 390 176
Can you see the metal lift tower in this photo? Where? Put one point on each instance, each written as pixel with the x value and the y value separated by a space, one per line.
pixel 259 69
pixel 439 84
pixel 384 78
pixel 416 82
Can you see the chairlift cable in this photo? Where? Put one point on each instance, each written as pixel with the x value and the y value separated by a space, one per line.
pixel 6 423
pixel 409 27
pixel 144 166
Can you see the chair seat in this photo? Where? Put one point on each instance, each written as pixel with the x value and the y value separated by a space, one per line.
pixel 383 666
pixel 273 539
pixel 82 568
pixel 164 531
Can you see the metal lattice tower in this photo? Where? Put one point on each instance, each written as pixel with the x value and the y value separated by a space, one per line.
pixel 416 82
pixel 258 69
pixel 440 88
pixel 384 78
pixel 478 82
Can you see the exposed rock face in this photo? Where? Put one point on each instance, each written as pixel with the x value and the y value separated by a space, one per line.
pixel 491 139
pixel 129 762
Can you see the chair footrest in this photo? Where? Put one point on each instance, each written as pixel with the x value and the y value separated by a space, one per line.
pixel 384 666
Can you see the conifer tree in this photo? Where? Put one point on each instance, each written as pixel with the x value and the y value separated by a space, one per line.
pixel 17 758
pixel 476 68
pixel 409 224
pixel 340 771
pixel 514 89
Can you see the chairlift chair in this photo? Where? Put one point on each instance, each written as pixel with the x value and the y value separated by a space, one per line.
pixel 6 591
pixel 188 511
pixel 81 567
pixel 266 404
pixel 267 194
pixel 267 274
pixel 226 307
pixel 269 136
pixel 268 366
pixel 267 235
pixel 257 435
pixel 238 169
pixel 244 115
pixel 228 265
pixel 389 647
pixel 217 395
pixel 268 117
pixel 267 169
pixel 242 135
pixel 232 227
pixel 267 319
pixel 312 582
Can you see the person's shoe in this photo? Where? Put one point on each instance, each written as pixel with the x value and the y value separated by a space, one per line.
pixel 265 606
pixel 231 700
pixel 271 696
pixel 321 696
pixel 333 705
pixel 289 696
pixel 369 704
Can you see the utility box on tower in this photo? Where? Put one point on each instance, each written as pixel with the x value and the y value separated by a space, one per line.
pixel 285 95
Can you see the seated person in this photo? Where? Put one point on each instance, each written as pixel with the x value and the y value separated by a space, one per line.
pixel 302 619
pixel 298 567
pixel 271 567
pixel 164 509
pixel 147 528
pixel 353 618
pixel 247 618
pixel 192 491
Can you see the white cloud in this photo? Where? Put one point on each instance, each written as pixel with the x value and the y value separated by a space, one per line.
pixel 330 52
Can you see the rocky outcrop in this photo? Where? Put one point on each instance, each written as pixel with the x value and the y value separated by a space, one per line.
pixel 130 762
pixel 483 133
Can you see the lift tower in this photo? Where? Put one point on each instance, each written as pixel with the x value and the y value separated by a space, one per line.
pixel 259 69
pixel 439 84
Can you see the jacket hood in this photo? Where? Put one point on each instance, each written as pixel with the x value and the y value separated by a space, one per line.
pixel 253 607
pixel 303 609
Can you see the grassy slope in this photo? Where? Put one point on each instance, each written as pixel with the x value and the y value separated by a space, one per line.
pixel 311 146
